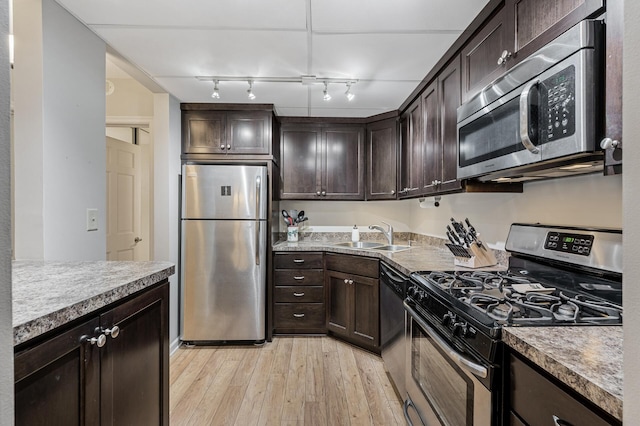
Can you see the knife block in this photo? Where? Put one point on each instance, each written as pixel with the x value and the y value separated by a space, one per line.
pixel 479 257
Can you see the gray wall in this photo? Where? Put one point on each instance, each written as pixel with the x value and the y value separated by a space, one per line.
pixel 60 148
pixel 631 196
pixel 6 330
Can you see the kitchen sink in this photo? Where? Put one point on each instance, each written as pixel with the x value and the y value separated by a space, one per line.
pixel 359 244
pixel 392 248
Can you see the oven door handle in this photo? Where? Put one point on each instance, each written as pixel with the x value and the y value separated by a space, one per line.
pixel 524 118
pixel 462 361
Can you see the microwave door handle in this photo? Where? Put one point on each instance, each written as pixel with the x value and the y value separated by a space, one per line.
pixel 524 118
pixel 463 362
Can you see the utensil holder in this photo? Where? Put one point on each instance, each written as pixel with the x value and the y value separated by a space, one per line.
pixel 476 256
pixel 292 233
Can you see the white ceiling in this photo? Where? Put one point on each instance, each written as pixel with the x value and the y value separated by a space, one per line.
pixel 389 46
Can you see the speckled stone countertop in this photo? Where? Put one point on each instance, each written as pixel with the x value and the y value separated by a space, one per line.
pixel 587 359
pixel 47 295
pixel 428 253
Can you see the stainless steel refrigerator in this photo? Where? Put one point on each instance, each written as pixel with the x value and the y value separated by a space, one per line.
pixel 223 253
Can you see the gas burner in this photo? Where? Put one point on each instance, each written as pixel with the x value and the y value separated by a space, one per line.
pixel 567 311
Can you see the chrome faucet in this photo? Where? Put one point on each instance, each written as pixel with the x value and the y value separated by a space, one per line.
pixel 388 233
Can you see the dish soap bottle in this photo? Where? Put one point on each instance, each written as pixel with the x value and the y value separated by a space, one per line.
pixel 355 234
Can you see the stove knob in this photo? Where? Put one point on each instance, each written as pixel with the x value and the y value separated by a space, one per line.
pixel 420 296
pixel 448 318
pixel 462 327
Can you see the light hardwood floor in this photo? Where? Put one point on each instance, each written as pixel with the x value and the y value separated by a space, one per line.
pixel 298 381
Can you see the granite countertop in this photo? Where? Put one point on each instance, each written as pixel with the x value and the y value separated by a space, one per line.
pixel 587 359
pixel 422 257
pixel 48 294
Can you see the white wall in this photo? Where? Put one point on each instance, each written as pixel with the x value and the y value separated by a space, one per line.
pixel 59 135
pixel 592 200
pixel 166 170
pixel 631 178
pixel 130 99
pixel 6 329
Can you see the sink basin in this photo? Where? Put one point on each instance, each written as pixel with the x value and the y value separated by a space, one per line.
pixel 391 248
pixel 359 244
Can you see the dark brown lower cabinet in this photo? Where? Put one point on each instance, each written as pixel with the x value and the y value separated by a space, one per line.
pixel 536 399
pixel 352 298
pixel 69 380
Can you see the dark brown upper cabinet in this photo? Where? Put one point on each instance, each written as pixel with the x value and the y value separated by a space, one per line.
pixel 515 31
pixel 382 164
pixel 238 131
pixel 322 162
pixel 614 20
pixel 432 143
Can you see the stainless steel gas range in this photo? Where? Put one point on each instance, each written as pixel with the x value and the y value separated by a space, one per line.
pixel 556 276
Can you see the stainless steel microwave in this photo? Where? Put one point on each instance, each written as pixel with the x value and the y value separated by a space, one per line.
pixel 541 118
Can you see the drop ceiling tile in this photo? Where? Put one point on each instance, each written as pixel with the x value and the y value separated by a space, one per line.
pixel 202 52
pixel 402 15
pixel 376 56
pixel 192 13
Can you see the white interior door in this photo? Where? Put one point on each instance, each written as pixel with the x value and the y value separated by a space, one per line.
pixel 124 173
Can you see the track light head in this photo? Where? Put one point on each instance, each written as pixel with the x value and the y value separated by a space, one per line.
pixel 250 91
pixel 327 96
pixel 216 91
pixel 348 93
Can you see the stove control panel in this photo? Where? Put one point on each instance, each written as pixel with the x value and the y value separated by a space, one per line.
pixel 579 244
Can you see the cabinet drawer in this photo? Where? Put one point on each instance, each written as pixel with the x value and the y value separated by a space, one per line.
pixel 299 260
pixel 357 265
pixel 299 277
pixel 537 400
pixel 299 315
pixel 299 294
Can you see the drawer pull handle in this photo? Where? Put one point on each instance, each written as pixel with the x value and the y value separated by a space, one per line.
pixel 298 315
pixel 298 294
pixel 299 278
pixel 298 260
pixel 557 421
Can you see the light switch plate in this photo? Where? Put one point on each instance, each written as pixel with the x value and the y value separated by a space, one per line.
pixel 92 219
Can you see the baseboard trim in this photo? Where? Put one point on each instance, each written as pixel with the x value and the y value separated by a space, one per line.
pixel 174 346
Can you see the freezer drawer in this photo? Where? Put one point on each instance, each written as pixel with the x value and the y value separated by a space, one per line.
pixel 223 280
pixel 224 192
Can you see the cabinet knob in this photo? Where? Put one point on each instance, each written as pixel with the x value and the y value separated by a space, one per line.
pixel 318 193
pixel 350 281
pixel 99 341
pixel 504 57
pixel 222 146
pixel 324 193
pixel 607 143
pixel 298 315
pixel 346 281
pixel 393 192
pixel 228 146
pixel 113 331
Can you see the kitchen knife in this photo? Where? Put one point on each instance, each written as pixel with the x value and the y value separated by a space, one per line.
pixel 462 233
pixel 455 234
pixel 451 238
pixel 473 233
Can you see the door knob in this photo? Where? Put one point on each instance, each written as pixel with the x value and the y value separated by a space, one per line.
pixel 137 240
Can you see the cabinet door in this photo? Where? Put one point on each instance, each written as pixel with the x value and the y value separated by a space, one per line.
pixel 204 132
pixel 432 147
pixel 613 85
pixel 382 164
pixel 249 132
pixel 449 90
pixel 57 382
pixel 339 302
pixel 343 164
pixel 135 363
pixel 412 151
pixel 365 310
pixel 300 164
pixel 536 23
pixel 481 54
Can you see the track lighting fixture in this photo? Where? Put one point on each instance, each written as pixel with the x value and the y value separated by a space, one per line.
pixel 348 93
pixel 327 96
pixel 305 80
pixel 216 91
pixel 250 91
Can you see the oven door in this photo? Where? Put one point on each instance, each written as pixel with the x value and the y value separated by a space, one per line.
pixel 442 386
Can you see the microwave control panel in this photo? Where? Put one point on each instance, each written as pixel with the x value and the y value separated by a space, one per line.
pixel 569 243
pixel 559 104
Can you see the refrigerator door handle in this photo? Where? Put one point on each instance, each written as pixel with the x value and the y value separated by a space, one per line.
pixel 258 189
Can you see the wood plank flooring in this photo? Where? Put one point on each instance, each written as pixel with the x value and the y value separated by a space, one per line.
pixel 292 381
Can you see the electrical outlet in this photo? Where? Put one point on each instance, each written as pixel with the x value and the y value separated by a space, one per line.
pixel 92 219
